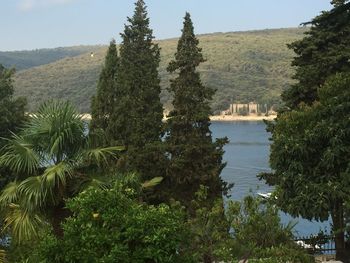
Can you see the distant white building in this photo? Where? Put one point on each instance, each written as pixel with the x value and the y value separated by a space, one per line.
pixel 250 108
pixel 242 109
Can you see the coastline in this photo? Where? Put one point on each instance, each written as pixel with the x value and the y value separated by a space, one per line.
pixel 223 118
pixel 230 118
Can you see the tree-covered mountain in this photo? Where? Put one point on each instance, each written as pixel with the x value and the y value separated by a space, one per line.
pixel 30 58
pixel 241 66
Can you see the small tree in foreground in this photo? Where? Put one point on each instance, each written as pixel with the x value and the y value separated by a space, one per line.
pixel 112 226
pixel 260 236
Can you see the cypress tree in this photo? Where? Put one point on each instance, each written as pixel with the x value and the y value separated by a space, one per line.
pixel 323 52
pixel 107 95
pixel 194 158
pixel 139 112
pixel 12 115
pixel 12 111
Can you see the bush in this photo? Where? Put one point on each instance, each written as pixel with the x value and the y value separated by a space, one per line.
pixel 257 228
pixel 112 226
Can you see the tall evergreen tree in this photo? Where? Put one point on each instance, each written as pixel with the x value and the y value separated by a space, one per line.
pixel 194 158
pixel 102 104
pixel 12 114
pixel 324 51
pixel 11 110
pixel 139 112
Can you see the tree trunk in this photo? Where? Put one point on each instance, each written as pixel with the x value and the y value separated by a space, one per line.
pixel 338 229
pixel 59 213
pixel 207 258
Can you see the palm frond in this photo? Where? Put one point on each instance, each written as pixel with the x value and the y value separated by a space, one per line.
pixel 2 256
pixel 152 183
pixel 10 194
pixel 19 156
pixel 22 223
pixel 33 193
pixel 57 128
pixel 100 155
pixel 57 174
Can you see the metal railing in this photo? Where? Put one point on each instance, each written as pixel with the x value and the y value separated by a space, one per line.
pixel 317 244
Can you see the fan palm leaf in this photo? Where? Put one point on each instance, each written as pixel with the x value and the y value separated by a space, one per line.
pixel 32 193
pixel 23 223
pixel 10 194
pixel 57 129
pixel 53 153
pixel 19 156
pixel 100 156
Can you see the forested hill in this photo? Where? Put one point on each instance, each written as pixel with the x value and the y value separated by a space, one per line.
pixel 242 66
pixel 30 58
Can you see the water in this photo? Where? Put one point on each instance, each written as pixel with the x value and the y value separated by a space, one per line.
pixel 247 155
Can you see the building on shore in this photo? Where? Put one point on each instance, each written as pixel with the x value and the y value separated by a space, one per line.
pixel 250 108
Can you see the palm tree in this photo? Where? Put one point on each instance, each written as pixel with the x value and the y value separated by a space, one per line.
pixel 53 160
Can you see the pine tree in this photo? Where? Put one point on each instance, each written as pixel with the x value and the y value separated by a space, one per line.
pixel 139 112
pixel 194 158
pixel 103 103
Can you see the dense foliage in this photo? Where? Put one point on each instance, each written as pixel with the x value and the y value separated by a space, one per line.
pixel 324 51
pixel 11 110
pixel 259 233
pixel 210 238
pixel 12 114
pixel 138 113
pixel 310 149
pixel 194 159
pixel 52 160
pixel 241 66
pixel 310 156
pixel 112 226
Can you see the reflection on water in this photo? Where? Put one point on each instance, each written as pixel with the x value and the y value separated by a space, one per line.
pixel 247 155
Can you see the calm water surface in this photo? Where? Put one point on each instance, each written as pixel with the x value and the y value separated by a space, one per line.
pixel 247 155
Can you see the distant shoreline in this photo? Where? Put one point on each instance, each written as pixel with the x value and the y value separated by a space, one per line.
pixel 223 118
pixel 229 118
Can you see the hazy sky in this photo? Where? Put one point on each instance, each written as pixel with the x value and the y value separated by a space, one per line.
pixel 31 24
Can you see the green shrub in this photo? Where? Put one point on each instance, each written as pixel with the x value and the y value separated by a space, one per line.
pixel 256 227
pixel 112 226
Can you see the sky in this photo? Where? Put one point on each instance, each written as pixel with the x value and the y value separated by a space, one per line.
pixel 33 24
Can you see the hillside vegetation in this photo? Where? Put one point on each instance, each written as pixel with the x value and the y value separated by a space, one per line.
pixel 30 58
pixel 242 66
